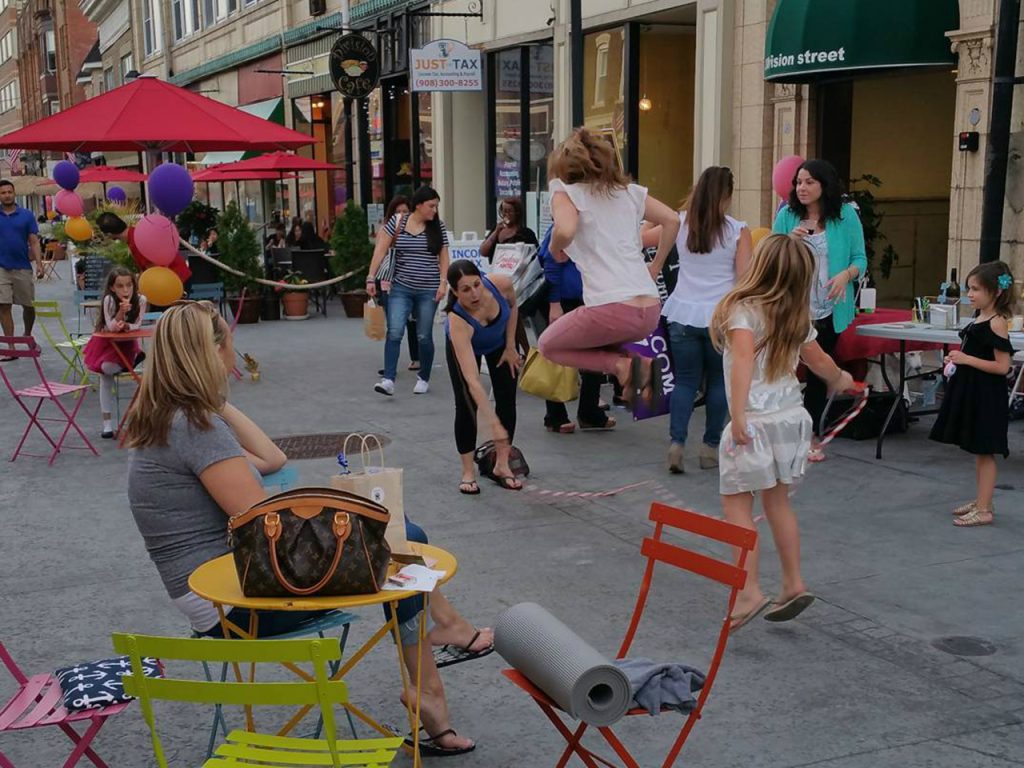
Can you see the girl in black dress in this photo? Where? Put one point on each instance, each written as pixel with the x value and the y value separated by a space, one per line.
pixel 974 411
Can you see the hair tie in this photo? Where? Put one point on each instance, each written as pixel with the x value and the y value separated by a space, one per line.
pixel 1005 281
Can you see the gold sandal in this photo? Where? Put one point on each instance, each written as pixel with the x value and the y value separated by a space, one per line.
pixel 975 518
pixel 963 509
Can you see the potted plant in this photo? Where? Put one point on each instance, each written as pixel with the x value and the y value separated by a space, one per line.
pixel 240 249
pixel 871 220
pixel 295 303
pixel 353 250
pixel 196 220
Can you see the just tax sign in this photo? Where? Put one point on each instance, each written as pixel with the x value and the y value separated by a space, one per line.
pixel 446 65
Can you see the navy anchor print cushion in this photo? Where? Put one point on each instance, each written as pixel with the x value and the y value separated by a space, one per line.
pixel 94 684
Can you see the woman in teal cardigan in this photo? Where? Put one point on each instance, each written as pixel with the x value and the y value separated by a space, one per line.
pixel 817 215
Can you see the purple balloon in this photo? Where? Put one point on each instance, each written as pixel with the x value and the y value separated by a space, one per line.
pixel 116 195
pixel 170 188
pixel 65 173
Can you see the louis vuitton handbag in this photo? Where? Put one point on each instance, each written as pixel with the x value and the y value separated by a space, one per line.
pixel 311 542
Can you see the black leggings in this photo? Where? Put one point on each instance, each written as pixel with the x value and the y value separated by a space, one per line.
pixel 503 384
pixel 816 391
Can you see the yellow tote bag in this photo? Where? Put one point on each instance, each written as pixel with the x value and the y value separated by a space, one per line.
pixel 547 380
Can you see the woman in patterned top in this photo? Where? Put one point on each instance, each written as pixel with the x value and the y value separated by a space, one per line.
pixel 420 242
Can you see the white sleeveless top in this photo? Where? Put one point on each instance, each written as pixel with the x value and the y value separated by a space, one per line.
pixel 704 278
pixel 607 248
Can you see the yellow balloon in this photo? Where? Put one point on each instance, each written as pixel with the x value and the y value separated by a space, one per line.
pixel 759 234
pixel 160 286
pixel 78 229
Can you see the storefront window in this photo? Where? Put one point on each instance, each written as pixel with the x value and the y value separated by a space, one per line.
pixel 425 119
pixel 375 129
pixel 340 152
pixel 604 108
pixel 523 82
pixel 507 124
pixel 542 119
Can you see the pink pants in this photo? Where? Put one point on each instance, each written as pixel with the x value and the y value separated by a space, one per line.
pixel 590 338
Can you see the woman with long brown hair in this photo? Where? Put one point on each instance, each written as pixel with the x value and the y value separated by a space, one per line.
pixel 597 215
pixel 714 249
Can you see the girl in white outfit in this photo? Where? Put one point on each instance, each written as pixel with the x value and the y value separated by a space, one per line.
pixel 764 328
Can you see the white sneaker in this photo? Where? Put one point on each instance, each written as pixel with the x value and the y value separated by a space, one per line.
pixel 421 387
pixel 385 387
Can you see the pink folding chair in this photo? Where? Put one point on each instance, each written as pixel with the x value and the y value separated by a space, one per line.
pixel 25 347
pixel 37 703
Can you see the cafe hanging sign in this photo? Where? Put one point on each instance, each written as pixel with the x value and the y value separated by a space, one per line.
pixel 446 65
pixel 355 68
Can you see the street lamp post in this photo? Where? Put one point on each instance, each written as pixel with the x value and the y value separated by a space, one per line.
pixel 576 54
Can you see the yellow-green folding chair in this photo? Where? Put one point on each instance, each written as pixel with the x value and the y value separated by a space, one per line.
pixel 242 747
pixel 68 346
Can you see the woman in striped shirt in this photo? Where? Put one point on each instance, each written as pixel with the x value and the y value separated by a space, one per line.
pixel 420 242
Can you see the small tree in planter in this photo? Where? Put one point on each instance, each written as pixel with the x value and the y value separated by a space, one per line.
pixel 196 220
pixel 353 250
pixel 240 249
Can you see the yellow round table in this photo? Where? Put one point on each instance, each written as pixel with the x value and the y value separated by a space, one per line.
pixel 217 581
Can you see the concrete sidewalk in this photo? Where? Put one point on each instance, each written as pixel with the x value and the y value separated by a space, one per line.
pixel 859 681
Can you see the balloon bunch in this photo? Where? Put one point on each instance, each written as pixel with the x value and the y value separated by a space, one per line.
pixel 70 203
pixel 156 236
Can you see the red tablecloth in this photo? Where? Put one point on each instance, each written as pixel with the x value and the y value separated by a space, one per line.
pixel 852 346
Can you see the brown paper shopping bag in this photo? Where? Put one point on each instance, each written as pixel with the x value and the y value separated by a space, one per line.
pixel 375 324
pixel 377 483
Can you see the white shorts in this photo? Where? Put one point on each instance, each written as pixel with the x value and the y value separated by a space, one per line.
pixel 777 453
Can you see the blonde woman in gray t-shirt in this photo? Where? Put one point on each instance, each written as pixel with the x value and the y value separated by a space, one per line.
pixel 198 460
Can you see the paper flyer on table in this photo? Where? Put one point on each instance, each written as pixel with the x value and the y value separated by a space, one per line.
pixel 413 578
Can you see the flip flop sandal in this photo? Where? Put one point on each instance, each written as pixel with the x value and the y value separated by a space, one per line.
pixel 430 748
pixel 449 655
pixel 414 366
pixel 790 609
pixel 816 456
pixel 562 429
pixel 609 424
pixel 973 519
pixel 475 490
pixel 735 622
pixel 504 481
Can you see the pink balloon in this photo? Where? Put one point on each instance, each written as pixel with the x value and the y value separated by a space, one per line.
pixel 156 237
pixel 69 203
pixel 785 171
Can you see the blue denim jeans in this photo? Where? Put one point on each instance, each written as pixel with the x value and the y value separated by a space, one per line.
pixel 694 358
pixel 401 302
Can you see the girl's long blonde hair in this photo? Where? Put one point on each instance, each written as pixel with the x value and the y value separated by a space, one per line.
pixel 183 372
pixel 777 285
pixel 586 158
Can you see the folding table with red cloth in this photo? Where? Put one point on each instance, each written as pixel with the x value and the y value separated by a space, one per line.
pixel 853 351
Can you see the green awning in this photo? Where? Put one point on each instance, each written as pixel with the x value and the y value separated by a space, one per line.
pixel 812 40
pixel 271 109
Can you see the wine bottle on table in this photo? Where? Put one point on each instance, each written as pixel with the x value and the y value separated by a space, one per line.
pixel 953 289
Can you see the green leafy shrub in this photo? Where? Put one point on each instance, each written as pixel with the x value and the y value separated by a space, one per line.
pixel 352 246
pixel 238 248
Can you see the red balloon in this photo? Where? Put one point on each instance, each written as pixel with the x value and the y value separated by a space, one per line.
pixel 69 203
pixel 784 173
pixel 156 238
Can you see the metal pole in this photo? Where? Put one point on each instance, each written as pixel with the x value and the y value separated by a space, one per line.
pixel 576 52
pixel 997 153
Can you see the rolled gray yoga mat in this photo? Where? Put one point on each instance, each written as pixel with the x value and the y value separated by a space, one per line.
pixel 581 681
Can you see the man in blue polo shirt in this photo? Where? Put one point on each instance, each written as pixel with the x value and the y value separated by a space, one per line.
pixel 19 248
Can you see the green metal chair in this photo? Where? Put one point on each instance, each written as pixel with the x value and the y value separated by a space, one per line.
pixel 68 346
pixel 253 749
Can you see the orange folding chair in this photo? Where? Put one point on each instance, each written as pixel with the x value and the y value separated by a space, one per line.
pixel 656 550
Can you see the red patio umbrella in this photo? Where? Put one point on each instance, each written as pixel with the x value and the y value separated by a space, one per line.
pixel 215 174
pixel 150 114
pixel 107 174
pixel 278 162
